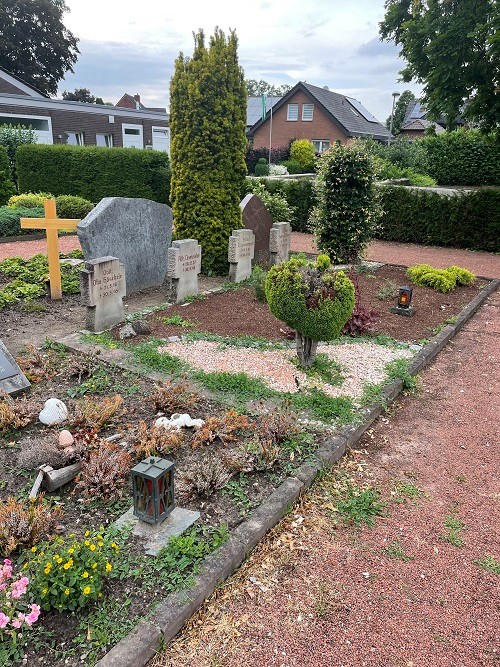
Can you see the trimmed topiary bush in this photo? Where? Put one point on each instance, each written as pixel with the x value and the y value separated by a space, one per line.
pixel 345 216
pixel 261 168
pixel 69 206
pixel 311 298
pixel 10 217
pixel 29 200
pixel 302 151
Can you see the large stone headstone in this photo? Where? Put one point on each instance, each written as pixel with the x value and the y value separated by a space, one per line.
pixel 256 217
pixel 136 231
pixel 184 265
pixel 279 242
pixel 240 254
pixel 103 286
pixel 12 379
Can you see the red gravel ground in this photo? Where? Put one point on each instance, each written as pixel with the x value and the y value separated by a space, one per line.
pixel 316 595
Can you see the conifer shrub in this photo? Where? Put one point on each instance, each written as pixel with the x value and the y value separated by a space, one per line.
pixel 347 210
pixel 261 168
pixel 311 298
pixel 443 280
pixel 7 187
pixel 302 151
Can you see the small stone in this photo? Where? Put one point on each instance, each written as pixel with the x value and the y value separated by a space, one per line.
pixel 174 339
pixel 65 439
pixel 141 327
pixel 54 412
pixel 126 332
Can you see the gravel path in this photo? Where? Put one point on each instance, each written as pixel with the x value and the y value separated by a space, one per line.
pixel 398 594
pixel 27 249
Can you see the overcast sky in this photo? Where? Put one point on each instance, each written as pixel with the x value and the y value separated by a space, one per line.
pixel 131 47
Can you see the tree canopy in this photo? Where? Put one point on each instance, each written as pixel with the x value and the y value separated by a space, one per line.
pixel 453 48
pixel 34 43
pixel 80 95
pixel 399 111
pixel 257 88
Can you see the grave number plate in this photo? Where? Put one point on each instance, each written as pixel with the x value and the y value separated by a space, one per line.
pixel 7 370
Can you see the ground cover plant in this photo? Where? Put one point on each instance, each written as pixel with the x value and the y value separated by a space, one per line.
pixel 254 435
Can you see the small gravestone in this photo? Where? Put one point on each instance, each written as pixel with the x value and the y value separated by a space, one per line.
pixel 136 231
pixel 279 242
pixel 12 379
pixel 240 254
pixel 103 287
pixel 256 217
pixel 184 265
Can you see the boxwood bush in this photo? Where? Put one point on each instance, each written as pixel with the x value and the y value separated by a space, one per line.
pixel 10 217
pixel 93 173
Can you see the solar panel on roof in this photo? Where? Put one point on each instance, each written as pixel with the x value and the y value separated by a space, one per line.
pixel 361 109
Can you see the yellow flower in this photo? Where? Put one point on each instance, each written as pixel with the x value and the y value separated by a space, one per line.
pixel 44 591
pixel 100 595
pixel 59 560
pixel 33 549
pixel 66 592
pixel 25 566
pixel 86 542
pixel 114 545
pixel 67 565
pixel 55 556
pixel 94 565
pixel 47 570
pixel 72 534
pixel 100 544
pixel 86 590
pixel 109 567
pixel 71 551
pixel 87 533
pixel 85 575
pixel 92 547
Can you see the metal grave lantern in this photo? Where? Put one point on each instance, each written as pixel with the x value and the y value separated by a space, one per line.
pixel 153 489
pixel 404 300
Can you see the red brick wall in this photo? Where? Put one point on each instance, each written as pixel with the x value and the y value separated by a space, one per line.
pixel 321 127
pixel 88 123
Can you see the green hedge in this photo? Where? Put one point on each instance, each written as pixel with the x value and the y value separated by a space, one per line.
pixel 299 194
pixel 93 173
pixel 469 220
pixel 7 188
pixel 9 220
pixel 464 157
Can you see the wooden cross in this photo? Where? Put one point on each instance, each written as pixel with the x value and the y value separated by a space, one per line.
pixel 52 224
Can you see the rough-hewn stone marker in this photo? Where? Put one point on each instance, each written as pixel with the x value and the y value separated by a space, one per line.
pixel 103 287
pixel 51 224
pixel 256 217
pixel 184 265
pixel 279 242
pixel 137 231
pixel 12 379
pixel 240 254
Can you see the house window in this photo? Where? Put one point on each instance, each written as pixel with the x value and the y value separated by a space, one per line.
pixel 293 112
pixel 307 111
pixel 104 140
pixel 41 125
pixel 75 138
pixel 321 145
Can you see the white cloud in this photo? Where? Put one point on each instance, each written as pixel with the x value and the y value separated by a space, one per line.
pixel 327 42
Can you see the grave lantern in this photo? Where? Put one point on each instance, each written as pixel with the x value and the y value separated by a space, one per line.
pixel 404 300
pixel 153 489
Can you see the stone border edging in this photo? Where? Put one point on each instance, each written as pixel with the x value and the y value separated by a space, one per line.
pixel 139 646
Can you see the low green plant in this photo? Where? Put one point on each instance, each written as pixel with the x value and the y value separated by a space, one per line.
pixel 147 354
pixel 177 320
pixel 68 572
pixel 399 369
pixel 328 370
pixel 454 528
pixel 29 200
pixel 235 489
pixel 387 291
pixel 395 551
pixel 360 506
pixel 258 281
pixel 462 276
pixel 406 491
pixel 238 385
pixel 10 220
pixel 443 280
pixel 489 564
pixel 328 409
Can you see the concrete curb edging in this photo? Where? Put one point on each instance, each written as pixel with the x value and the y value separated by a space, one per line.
pixel 138 647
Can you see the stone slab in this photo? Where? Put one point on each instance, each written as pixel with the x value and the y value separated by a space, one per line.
pixel 240 254
pixel 156 537
pixel 136 649
pixel 12 380
pixel 137 231
pixel 184 265
pixel 256 217
pixel 103 286
pixel 280 239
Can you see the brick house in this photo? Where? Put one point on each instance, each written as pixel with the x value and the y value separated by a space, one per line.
pixel 317 114
pixel 79 123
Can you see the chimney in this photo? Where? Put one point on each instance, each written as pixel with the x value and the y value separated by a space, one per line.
pixel 137 99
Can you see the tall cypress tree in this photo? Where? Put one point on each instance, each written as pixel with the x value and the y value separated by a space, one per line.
pixel 207 123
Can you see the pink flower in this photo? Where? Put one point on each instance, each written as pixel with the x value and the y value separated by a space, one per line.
pixel 23 581
pixel 16 623
pixel 16 593
pixel 3 620
pixel 33 615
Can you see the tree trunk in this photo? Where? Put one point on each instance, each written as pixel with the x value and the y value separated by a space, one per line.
pixel 306 349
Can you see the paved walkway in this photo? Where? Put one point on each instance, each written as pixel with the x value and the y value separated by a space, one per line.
pixel 481 263
pixel 411 591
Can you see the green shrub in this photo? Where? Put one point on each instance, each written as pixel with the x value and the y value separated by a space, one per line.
pixel 443 280
pixel 299 194
pixel 94 173
pixel 293 166
pixel 7 187
pixel 261 168
pixel 463 157
pixel 275 203
pixel 462 276
pixel 10 217
pixel 302 151
pixel 385 170
pixel 469 220
pixel 69 206
pixel 11 137
pixel 258 282
pixel 345 215
pixel 311 298
pixel 29 200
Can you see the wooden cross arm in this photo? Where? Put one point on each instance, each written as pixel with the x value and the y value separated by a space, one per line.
pixel 43 223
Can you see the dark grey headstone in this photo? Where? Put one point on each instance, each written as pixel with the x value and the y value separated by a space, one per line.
pixel 12 379
pixel 136 231
pixel 256 217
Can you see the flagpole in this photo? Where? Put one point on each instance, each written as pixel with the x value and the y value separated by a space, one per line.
pixel 271 128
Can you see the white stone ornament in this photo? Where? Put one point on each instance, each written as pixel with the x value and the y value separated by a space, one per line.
pixel 54 412
pixel 178 421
